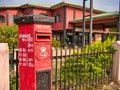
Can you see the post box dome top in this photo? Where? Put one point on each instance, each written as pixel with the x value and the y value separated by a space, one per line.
pixel 28 19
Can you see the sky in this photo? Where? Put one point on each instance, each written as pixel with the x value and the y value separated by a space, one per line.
pixel 105 5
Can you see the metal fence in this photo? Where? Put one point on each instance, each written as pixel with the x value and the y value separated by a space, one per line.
pixel 81 69
pixel 13 69
pixel 73 69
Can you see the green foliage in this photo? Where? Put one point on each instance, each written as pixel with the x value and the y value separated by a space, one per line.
pixel 100 47
pixel 112 36
pixel 90 64
pixel 55 43
pixel 9 34
pixel 13 83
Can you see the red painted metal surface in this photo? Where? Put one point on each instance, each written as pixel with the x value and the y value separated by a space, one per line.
pixel 34 53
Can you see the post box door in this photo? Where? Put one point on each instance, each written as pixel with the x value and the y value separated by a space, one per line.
pixel 43 56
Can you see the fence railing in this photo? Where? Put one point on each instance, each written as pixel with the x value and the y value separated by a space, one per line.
pixel 83 69
pixel 13 68
pixel 73 69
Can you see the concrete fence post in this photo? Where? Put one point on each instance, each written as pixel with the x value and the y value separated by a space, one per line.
pixel 116 62
pixel 4 66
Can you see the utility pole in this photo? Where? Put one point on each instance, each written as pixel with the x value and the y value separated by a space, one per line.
pixel 83 32
pixel 118 36
pixel 64 31
pixel 84 24
pixel 91 22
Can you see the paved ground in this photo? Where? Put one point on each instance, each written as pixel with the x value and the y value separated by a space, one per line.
pixel 112 86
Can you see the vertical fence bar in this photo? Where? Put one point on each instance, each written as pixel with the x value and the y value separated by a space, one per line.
pixel 103 63
pixel 87 66
pixel 60 68
pixel 73 69
pixel 90 81
pixel 81 84
pixel 17 70
pixel 69 68
pixel 77 60
pixel 65 70
pixel 107 68
pixel 56 69
pixel 112 51
pixel 104 66
pixel 12 66
pixel 12 63
pixel 97 53
pixel 93 52
pixel 84 87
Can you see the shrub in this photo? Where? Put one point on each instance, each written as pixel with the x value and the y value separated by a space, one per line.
pixel 55 43
pixel 9 34
pixel 83 68
pixel 13 83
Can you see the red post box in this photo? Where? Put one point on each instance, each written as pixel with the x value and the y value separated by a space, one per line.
pixel 35 64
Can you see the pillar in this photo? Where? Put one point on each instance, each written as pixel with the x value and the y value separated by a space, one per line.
pixel 4 66
pixel 116 62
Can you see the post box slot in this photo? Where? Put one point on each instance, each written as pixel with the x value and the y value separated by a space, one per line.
pixel 42 37
pixel 43 80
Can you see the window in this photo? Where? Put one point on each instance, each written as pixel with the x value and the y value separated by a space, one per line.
pixel 58 18
pixel 12 18
pixel 2 19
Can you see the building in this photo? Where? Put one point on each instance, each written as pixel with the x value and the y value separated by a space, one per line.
pixel 68 18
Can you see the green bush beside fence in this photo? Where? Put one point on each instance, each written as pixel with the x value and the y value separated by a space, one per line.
pixel 89 64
